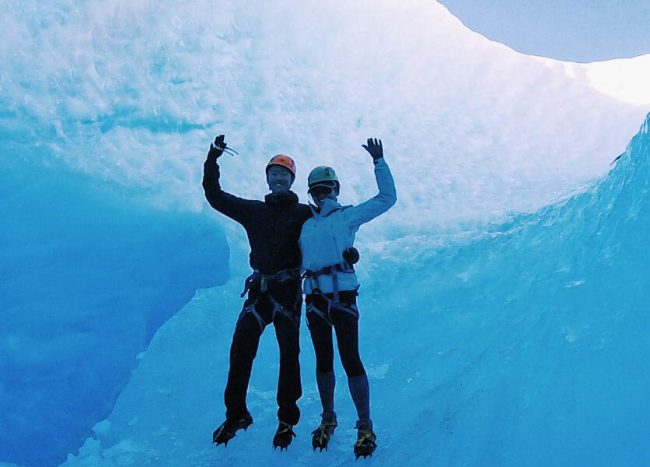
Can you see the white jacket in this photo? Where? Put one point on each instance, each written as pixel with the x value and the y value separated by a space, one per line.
pixel 331 231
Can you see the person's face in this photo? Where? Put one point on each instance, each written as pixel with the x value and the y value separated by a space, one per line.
pixel 320 193
pixel 279 179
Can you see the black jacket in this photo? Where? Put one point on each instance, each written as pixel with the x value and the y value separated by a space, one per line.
pixel 273 226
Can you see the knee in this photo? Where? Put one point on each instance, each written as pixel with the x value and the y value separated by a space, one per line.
pixel 353 366
pixel 325 365
pixel 244 344
pixel 324 360
pixel 243 348
pixel 288 337
pixel 289 354
pixel 324 368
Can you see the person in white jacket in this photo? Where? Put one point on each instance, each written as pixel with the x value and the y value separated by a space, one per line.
pixel 330 285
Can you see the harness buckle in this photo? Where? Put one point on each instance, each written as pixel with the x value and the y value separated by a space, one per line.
pixel 260 282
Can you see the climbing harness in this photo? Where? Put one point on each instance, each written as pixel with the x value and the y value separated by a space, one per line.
pixel 331 306
pixel 351 256
pixel 333 271
pixel 259 283
pixel 333 303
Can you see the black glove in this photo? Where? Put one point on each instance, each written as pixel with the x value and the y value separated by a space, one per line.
pixel 217 147
pixel 375 149
pixel 351 256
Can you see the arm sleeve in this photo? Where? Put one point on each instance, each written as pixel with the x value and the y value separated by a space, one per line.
pixel 379 203
pixel 236 208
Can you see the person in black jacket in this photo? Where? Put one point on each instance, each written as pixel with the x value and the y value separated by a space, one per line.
pixel 274 291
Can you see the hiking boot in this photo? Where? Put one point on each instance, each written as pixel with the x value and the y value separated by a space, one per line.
pixel 283 436
pixel 366 438
pixel 227 430
pixel 321 436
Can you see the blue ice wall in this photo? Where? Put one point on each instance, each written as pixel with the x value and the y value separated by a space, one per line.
pixel 531 342
pixel 521 345
pixel 87 276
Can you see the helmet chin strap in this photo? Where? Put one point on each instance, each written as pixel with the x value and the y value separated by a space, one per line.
pixel 313 201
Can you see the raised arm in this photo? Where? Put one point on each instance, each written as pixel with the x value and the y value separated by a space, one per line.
pixel 387 195
pixel 236 208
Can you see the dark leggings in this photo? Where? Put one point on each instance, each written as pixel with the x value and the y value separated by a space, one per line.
pixel 345 321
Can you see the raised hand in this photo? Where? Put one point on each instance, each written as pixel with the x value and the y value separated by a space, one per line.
pixel 375 148
pixel 217 147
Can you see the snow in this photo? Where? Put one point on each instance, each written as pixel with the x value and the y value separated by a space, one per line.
pixel 624 79
pixel 500 338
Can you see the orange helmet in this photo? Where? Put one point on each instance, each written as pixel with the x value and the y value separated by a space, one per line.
pixel 283 161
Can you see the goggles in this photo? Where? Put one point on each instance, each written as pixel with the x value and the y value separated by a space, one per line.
pixel 321 190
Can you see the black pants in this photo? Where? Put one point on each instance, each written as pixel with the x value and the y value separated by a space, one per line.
pixel 280 305
pixel 345 321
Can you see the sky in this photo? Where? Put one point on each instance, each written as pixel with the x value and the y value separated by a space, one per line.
pixel 513 239
pixel 578 31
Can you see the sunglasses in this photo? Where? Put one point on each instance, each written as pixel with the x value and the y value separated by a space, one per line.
pixel 320 190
